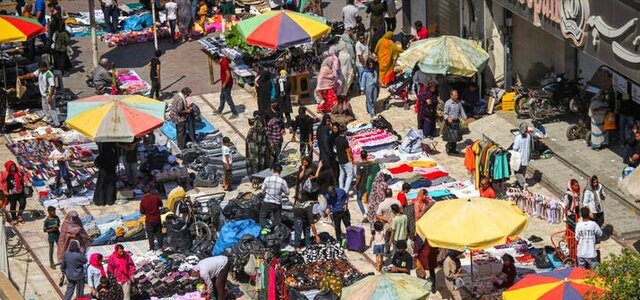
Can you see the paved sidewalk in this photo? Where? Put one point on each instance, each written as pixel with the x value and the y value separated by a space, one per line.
pixel 570 160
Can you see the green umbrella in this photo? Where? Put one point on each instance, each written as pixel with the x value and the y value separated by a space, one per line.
pixel 388 286
pixel 446 55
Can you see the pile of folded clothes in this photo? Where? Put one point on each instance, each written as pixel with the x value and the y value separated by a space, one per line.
pixel 205 158
pixel 167 276
pixel 115 228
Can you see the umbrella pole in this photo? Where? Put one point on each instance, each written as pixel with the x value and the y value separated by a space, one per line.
pixel 472 283
pixel 153 16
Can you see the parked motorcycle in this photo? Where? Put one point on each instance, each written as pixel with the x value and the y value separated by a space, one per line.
pixel 581 130
pixel 522 103
pixel 556 97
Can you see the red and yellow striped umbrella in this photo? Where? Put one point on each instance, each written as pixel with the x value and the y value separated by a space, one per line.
pixel 19 29
pixel 282 29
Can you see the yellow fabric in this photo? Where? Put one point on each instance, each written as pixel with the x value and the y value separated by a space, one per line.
pixel 119 231
pixel 134 222
pixel 387 53
pixel 423 163
pixel 175 195
pixel 475 224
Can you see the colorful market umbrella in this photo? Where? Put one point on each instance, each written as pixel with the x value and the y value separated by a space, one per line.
pixel 19 29
pixel 446 55
pixel 387 286
pixel 473 224
pixel 282 29
pixel 567 284
pixel 115 118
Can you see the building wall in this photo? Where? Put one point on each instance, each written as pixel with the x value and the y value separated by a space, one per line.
pixel 444 16
pixel 493 26
pixel 537 53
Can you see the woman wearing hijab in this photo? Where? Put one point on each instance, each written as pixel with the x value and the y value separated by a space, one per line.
pixel 95 271
pixel 387 52
pixel 327 154
pixel 572 202
pixel 109 289
pixel 328 81
pixel 346 67
pixel 284 95
pixel 426 107
pixel 306 171
pixel 71 229
pixel 597 111
pixel 258 150
pixel 72 266
pixel 376 196
pixel 264 91
pixel 452 271
pixel 185 19
pixel 593 198
pixel 121 266
pixel 13 181
pixel 107 160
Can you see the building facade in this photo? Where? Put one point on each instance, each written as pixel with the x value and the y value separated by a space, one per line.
pixel 528 39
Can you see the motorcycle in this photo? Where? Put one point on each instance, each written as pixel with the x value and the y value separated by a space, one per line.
pixel 521 99
pixel 555 98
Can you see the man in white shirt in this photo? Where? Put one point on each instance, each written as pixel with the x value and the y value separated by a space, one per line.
pixel 172 15
pixel 213 271
pixel 349 14
pixel 47 86
pixel 522 145
pixel 60 156
pixel 586 233
pixel 362 54
pixel 276 192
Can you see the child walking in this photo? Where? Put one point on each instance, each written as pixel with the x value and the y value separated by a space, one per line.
pixel 52 228
pixel 377 243
pixel 226 157
pixel 398 225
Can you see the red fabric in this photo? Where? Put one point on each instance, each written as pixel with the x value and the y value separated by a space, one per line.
pixel 150 207
pixel 434 175
pixel 428 256
pixel 93 260
pixel 403 168
pixel 224 67
pixel 402 197
pixel 423 33
pixel 122 267
pixel 16 175
pixel 488 193
pixel 330 99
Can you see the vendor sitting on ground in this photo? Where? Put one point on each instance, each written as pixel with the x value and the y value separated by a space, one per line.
pixel 486 190
pixel 508 275
pixel 632 149
pixel 214 271
pixel 342 113
pixel 401 262
pixel 101 76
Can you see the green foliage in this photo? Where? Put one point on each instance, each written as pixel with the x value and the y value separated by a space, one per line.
pixel 234 39
pixel 620 276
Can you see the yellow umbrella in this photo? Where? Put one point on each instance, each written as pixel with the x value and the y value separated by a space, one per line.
pixel 473 224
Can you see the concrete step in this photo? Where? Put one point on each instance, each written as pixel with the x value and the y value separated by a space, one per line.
pixel 571 160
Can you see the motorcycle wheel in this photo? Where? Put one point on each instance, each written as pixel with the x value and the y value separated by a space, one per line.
pixel 521 107
pixel 537 112
pixel 573 132
pixel 573 105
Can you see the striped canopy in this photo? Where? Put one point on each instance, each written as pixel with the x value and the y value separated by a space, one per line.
pixel 115 118
pixel 565 284
pixel 446 55
pixel 19 29
pixel 396 286
pixel 282 29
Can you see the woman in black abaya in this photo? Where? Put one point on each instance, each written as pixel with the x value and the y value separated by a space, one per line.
pixel 107 160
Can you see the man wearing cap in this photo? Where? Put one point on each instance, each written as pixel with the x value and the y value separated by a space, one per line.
pixel 213 271
pixel 150 208
pixel 522 145
pixel 47 87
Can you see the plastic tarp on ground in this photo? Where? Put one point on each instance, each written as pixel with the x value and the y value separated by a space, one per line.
pixel 169 129
pixel 137 22
pixel 232 232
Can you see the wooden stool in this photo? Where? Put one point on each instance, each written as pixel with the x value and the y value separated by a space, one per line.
pixel 300 86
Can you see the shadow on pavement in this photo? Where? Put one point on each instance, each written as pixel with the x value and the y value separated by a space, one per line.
pixel 136 55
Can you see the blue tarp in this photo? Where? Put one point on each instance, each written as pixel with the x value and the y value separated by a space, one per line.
pixel 169 129
pixel 232 232
pixel 137 22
